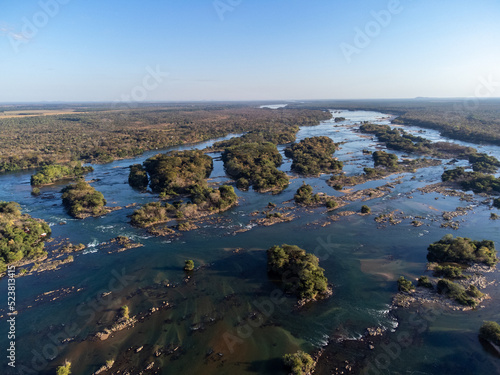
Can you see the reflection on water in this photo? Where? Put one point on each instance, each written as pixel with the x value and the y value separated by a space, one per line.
pixel 232 293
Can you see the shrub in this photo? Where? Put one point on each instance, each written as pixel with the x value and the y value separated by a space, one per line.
pixel 405 285
pixel 64 369
pixel 448 271
pixel 331 204
pixel 304 195
pixel 188 265
pixel 299 363
pixel 456 292
pixel 35 192
pixel 425 282
pixel 490 331
pixel 124 312
pixel 365 209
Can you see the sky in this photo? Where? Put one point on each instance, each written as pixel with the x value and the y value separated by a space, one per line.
pixel 187 50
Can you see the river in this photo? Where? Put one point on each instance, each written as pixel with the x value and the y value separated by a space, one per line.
pixel 228 319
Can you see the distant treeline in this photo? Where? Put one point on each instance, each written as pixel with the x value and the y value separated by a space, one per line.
pixel 103 134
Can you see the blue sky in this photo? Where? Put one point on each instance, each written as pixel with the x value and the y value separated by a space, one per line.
pixel 88 50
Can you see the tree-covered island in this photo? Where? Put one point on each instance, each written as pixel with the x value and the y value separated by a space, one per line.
pixel 21 236
pixel 298 272
pixel 255 164
pixel 82 200
pixel 313 156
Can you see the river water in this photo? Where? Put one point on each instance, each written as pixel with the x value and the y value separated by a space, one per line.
pixel 228 318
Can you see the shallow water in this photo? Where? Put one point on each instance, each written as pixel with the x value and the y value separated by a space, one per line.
pixel 229 307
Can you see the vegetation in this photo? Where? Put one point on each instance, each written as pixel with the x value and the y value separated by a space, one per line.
pixel 299 363
pixel 425 282
pixel 305 195
pixel 462 250
pixel 138 177
pixel 203 201
pixel 276 136
pixel 176 172
pixel 82 200
pixel 490 331
pixel 51 173
pixel 457 292
pixel 313 156
pixel 189 265
pixel 496 202
pixel 365 209
pixel 101 134
pixel 384 159
pixel 448 271
pixel 255 164
pixel 484 163
pixel 21 236
pixel 405 285
pixel 299 271
pixel 125 312
pixel 64 369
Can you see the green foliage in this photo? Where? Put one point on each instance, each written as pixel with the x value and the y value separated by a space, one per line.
pixel 476 181
pixel 305 195
pixel 456 292
pixel 125 312
pixel 384 159
pixel 313 156
pixel 64 369
pixel 81 199
pixel 405 285
pixel 21 236
pixel 138 177
pixel 496 202
pixel 462 250
pixel 49 174
pixel 299 363
pixel 272 135
pixel 176 172
pixel 298 270
pixel 330 204
pixel 365 209
pixel 490 331
pixel 484 163
pixel 448 271
pixel 397 139
pixel 455 174
pixel 202 199
pixel 257 163
pixel 35 192
pixel 425 282
pixel 188 265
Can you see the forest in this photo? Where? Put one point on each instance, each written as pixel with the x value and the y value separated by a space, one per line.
pixel 204 201
pixel 82 200
pixel 100 134
pixel 175 172
pixel 255 164
pixel 51 173
pixel 313 156
pixel 21 236
pixel 298 271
